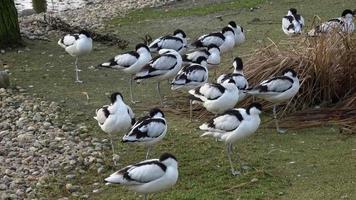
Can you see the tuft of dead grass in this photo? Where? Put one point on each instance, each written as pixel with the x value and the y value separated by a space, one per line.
pixel 326 67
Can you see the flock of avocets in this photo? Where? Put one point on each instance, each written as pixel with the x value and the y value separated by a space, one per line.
pixel 189 70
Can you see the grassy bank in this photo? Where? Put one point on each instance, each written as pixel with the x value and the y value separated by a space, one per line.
pixel 309 164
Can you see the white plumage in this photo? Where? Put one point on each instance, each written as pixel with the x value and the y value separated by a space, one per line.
pixel 177 42
pixel 148 176
pixel 239 34
pixel 191 76
pixel 238 76
pixel 212 54
pixel 130 62
pixel 216 98
pixel 277 89
pixel 77 45
pixel 233 125
pixel 292 23
pixel 116 117
pixel 148 131
pixel 165 66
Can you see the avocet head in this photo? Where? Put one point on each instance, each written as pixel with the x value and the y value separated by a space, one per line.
pixel 348 14
pixel 179 33
pixel 84 33
pixel 169 160
pixel 254 108
pixel 115 97
pixel 292 11
pixel 238 65
pixel 227 30
pixel 232 24
pixel 201 60
pixel 290 73
pixel 140 48
pixel 156 112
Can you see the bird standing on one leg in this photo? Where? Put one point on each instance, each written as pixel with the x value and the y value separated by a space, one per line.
pixel 114 118
pixel 148 131
pixel 76 45
pixel 277 89
pixel 177 42
pixel 216 98
pixel 165 66
pixel 148 176
pixel 130 62
pixel 234 125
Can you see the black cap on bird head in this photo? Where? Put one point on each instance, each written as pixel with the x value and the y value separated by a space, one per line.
pixel 155 111
pixel 166 156
pixel 347 11
pixel 227 29
pixel 254 105
pixel 86 33
pixel 114 95
pixel 293 11
pixel 238 64
pixel 200 59
pixel 180 31
pixel 289 70
pixel 212 46
pixel 141 45
pixel 232 24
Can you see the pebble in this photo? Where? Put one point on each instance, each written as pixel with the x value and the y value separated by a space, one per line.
pixel 33 147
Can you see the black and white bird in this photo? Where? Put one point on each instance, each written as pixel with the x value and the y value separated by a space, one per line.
pixel 76 45
pixel 238 76
pixel 216 98
pixel 292 23
pixel 341 24
pixel 130 62
pixel 277 89
pixel 149 176
pixel 114 118
pixel 232 126
pixel 191 76
pixel 238 33
pixel 148 131
pixel 225 40
pixel 212 55
pixel 177 42
pixel 165 66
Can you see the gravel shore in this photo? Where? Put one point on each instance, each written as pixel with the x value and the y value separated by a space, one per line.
pixel 35 145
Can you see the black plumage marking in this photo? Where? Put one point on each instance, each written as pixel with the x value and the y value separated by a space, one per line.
pixel 139 134
pixel 134 53
pixel 215 85
pixel 264 88
pixel 219 87
pixel 290 18
pixel 291 26
pixel 169 37
pixel 337 20
pixel 125 171
pixel 106 111
pixel 235 113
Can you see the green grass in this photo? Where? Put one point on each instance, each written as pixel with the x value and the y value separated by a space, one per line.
pixel 304 164
pixel 149 14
